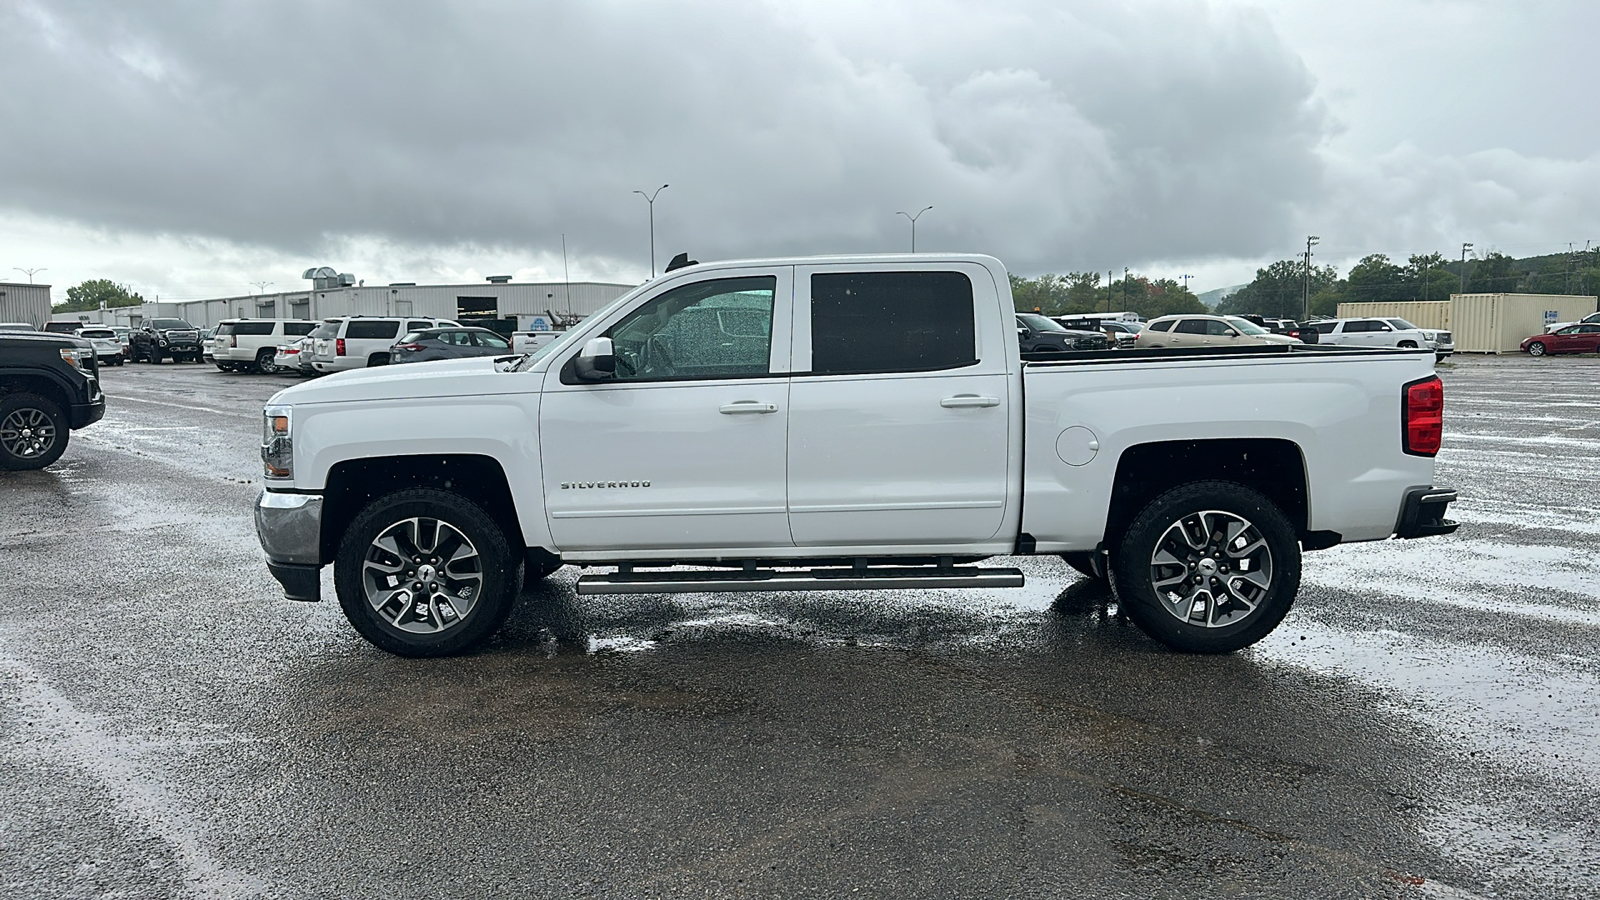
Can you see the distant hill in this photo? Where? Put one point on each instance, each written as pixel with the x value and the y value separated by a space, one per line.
pixel 1212 298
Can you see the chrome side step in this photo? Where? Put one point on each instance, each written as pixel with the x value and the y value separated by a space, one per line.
pixel 876 578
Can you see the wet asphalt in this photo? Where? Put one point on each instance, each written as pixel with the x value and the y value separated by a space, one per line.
pixel 1426 723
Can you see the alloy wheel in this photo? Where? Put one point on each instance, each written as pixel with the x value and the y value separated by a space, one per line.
pixel 422 575
pixel 27 433
pixel 1211 569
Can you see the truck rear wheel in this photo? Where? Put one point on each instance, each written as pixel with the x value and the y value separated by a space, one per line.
pixel 1208 567
pixel 33 432
pixel 426 572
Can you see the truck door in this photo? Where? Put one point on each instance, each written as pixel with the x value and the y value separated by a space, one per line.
pixel 900 409
pixel 684 447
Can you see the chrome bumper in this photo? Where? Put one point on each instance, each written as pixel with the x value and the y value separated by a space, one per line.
pixel 290 527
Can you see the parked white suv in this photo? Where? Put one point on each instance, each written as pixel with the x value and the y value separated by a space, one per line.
pixel 1386 332
pixel 249 345
pixel 107 346
pixel 355 342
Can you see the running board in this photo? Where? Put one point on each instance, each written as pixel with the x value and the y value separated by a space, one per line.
pixel 840 579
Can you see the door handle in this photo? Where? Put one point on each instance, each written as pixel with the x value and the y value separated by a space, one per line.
pixel 748 407
pixel 969 401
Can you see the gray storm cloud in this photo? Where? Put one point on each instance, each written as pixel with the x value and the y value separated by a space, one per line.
pixel 1056 135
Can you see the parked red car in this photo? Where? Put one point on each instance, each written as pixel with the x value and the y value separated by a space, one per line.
pixel 1580 338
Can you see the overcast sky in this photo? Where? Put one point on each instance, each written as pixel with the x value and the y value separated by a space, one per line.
pixel 189 149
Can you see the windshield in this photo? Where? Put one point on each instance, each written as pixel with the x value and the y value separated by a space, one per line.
pixel 165 324
pixel 1040 323
pixel 1245 325
pixel 1402 325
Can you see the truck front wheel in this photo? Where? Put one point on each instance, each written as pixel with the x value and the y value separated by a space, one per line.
pixel 1208 567
pixel 426 572
pixel 33 431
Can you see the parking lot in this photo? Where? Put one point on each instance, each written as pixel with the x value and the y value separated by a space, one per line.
pixel 1426 723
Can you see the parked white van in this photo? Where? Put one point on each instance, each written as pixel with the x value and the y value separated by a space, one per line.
pixel 249 345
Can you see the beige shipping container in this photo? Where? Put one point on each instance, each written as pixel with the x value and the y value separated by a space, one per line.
pixel 1421 313
pixel 1498 323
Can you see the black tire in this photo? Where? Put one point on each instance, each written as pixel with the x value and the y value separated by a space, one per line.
pixel 1407 345
pixel 1536 348
pixel 496 580
pixel 264 363
pixel 1272 549
pixel 377 359
pixel 153 355
pixel 33 431
pixel 1084 564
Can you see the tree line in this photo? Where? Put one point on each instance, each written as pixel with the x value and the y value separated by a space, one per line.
pixel 1279 290
pixel 95 293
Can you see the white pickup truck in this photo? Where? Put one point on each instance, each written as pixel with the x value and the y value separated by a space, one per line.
pixel 841 423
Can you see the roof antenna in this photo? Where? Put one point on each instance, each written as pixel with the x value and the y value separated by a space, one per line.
pixel 682 261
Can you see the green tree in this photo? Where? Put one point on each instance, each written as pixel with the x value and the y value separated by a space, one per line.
pixel 1048 294
pixel 1375 279
pixel 97 292
pixel 1278 291
pixel 1430 273
pixel 1496 273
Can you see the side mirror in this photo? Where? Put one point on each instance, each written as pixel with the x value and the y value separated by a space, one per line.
pixel 1385 328
pixel 597 361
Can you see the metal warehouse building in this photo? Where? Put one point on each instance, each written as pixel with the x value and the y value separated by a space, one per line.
pixel 1483 323
pixel 25 303
pixel 497 303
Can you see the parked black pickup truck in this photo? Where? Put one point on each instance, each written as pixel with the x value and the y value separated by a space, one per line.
pixel 1041 334
pixel 161 338
pixel 49 386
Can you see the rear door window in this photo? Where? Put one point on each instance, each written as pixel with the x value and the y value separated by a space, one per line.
pixel 298 329
pixel 868 322
pixel 372 329
pixel 1191 326
pixel 253 327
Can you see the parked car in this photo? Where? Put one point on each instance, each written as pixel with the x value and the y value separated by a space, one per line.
pixel 62 327
pixel 1042 334
pixel 49 387
pixel 16 326
pixel 1118 332
pixel 1207 331
pixel 251 345
pixel 107 346
pixel 294 358
pixel 356 342
pixel 1580 338
pixel 448 343
pixel 529 341
pixel 159 339
pixel 1591 319
pixel 1384 332
pixel 1304 332
pixel 894 438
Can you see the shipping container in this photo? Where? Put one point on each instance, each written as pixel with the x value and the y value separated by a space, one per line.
pixel 1421 313
pixel 25 303
pixel 1498 323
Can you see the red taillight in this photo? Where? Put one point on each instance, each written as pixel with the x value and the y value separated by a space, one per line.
pixel 338 347
pixel 1422 415
pixel 233 340
pixel 411 347
pixel 1294 334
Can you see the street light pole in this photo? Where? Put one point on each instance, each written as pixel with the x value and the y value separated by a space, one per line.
pixel 651 199
pixel 1464 249
pixel 261 286
pixel 29 272
pixel 914 224
pixel 1311 241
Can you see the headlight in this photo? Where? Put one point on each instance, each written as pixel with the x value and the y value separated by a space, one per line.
pixel 277 447
pixel 76 356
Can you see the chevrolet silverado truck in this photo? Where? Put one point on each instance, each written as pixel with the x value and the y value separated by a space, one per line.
pixel 841 423
pixel 49 386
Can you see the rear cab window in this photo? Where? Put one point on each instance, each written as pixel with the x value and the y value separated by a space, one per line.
pixel 871 322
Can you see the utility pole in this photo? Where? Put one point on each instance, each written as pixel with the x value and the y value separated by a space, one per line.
pixel 1424 278
pixel 1186 281
pixel 566 275
pixel 29 272
pixel 913 220
pixel 1111 275
pixel 1124 289
pixel 1464 248
pixel 651 199
pixel 1311 241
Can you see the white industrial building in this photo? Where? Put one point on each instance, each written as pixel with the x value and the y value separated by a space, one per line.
pixel 496 302
pixel 25 303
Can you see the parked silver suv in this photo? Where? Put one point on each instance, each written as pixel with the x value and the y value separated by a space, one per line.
pixel 356 342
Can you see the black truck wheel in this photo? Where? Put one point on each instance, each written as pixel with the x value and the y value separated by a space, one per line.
pixel 425 572
pixel 33 432
pixel 264 363
pixel 1208 567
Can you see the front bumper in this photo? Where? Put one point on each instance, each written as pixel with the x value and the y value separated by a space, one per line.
pixel 289 527
pixel 86 414
pixel 1422 513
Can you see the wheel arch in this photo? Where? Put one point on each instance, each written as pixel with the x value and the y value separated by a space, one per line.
pixel 352 484
pixel 43 385
pixel 1274 466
